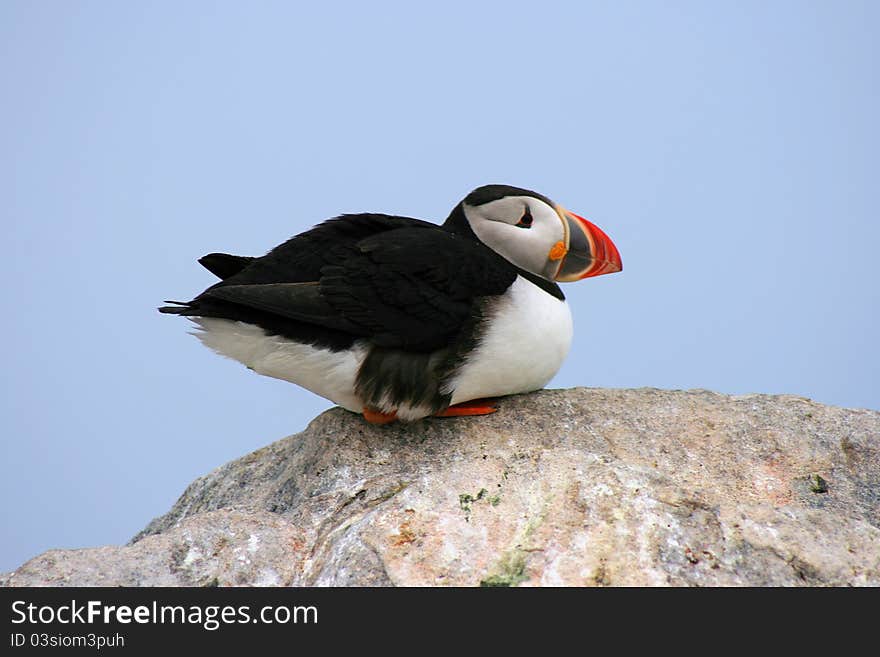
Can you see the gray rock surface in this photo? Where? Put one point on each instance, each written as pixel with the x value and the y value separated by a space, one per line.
pixel 561 487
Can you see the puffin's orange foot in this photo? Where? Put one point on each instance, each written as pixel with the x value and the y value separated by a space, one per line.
pixel 472 407
pixel 378 417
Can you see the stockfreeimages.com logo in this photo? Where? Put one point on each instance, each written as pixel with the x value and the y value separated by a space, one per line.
pixel 210 617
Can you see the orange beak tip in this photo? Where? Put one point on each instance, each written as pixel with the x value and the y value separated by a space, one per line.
pixel 604 258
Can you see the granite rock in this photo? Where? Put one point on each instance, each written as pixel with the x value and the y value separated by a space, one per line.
pixel 560 487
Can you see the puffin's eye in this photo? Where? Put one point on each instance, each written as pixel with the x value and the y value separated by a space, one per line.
pixel 526 220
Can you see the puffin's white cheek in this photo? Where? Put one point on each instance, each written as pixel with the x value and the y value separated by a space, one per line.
pixel 551 268
pixel 546 250
pixel 527 252
pixel 512 243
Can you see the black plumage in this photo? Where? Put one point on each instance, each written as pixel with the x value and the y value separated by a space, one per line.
pixel 417 293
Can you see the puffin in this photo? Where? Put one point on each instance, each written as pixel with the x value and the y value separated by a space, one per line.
pixel 399 319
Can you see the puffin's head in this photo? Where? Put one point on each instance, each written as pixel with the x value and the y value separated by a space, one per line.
pixel 536 234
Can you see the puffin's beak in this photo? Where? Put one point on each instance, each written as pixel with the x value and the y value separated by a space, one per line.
pixel 590 251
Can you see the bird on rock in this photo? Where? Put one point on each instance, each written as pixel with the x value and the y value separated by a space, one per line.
pixel 401 319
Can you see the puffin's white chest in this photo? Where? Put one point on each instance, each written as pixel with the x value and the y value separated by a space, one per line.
pixel 524 345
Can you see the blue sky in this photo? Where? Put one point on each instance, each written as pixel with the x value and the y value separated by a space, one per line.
pixel 729 149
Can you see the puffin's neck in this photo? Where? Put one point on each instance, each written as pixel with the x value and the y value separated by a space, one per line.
pixel 457 223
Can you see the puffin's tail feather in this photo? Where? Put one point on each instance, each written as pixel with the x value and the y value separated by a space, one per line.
pixel 224 265
pixel 180 309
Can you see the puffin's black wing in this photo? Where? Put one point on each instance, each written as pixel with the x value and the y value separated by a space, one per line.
pixel 401 283
pixel 414 289
pixel 300 259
